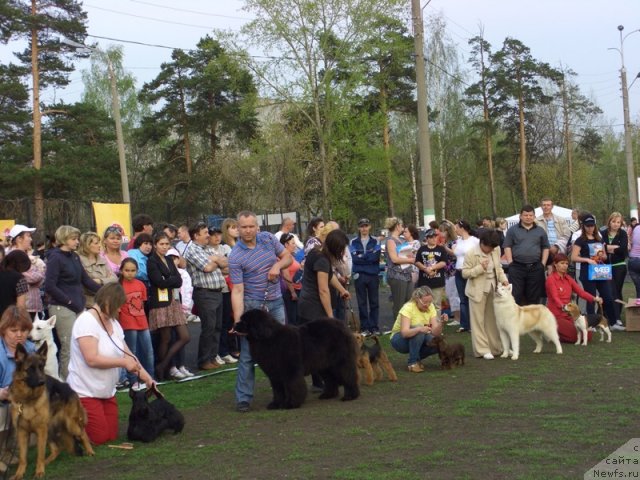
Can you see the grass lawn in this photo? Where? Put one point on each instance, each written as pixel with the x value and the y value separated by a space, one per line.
pixel 544 416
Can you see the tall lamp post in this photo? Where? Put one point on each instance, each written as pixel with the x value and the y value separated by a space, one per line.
pixel 628 149
pixel 115 105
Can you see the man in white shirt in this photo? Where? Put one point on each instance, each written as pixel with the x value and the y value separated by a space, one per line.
pixel 556 227
pixel 287 226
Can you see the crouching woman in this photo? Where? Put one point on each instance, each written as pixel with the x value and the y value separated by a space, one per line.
pixel 98 351
pixel 560 286
pixel 417 323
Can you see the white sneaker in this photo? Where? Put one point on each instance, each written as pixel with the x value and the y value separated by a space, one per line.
pixel 229 359
pixel 138 386
pixel 176 374
pixel 487 356
pixel 184 371
pixel 618 328
pixel 619 322
pixel 218 360
pixel 453 323
pixel 195 319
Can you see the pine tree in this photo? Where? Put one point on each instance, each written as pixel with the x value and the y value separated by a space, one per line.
pixel 42 23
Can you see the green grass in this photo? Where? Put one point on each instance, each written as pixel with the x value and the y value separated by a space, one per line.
pixel 544 416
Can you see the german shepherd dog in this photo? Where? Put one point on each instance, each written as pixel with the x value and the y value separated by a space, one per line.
pixel 45 406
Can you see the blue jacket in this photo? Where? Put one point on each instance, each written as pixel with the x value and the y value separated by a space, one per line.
pixel 8 362
pixel 365 260
pixel 141 260
pixel 64 280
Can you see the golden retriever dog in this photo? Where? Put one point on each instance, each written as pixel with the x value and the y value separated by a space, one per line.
pixel 513 320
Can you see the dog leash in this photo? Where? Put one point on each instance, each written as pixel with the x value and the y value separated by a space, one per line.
pixel 354 323
pixel 136 377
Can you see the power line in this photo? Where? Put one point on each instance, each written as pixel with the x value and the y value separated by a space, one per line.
pixel 206 27
pixel 134 42
pixel 191 11
pixel 156 45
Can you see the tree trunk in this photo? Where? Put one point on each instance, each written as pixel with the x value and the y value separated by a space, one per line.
pixel 487 135
pixel 414 189
pixel 187 143
pixel 492 181
pixel 37 127
pixel 212 139
pixel 387 156
pixel 322 150
pixel 443 179
pixel 523 151
pixel 567 141
pixel 213 131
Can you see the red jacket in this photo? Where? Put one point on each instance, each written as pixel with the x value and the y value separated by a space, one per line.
pixel 559 289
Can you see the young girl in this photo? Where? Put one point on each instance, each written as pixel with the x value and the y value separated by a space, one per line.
pixel 132 317
pixel 165 310
pixel 179 370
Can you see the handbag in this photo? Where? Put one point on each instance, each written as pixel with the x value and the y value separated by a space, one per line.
pixel 600 271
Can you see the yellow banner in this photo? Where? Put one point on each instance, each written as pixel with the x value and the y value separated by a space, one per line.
pixel 5 226
pixel 108 214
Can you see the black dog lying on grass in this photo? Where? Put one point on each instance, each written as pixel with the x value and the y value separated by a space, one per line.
pixel 286 354
pixel 148 420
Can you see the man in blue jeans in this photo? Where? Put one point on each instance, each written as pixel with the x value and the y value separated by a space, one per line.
pixel 254 267
pixel 365 254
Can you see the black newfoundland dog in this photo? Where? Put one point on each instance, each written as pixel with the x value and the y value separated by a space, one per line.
pixel 286 354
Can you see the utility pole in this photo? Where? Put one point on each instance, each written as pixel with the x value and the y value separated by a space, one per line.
pixel 115 102
pixel 115 105
pixel 628 148
pixel 424 141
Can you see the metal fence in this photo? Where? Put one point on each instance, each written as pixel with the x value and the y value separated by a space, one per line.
pixel 56 212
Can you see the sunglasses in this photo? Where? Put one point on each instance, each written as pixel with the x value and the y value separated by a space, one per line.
pixel 113 229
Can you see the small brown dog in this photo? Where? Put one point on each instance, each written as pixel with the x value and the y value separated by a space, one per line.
pixel 372 360
pixel 450 355
pixel 586 321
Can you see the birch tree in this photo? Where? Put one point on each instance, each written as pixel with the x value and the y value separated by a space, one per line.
pixel 306 40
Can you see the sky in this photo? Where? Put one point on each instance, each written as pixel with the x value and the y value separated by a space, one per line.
pixel 572 33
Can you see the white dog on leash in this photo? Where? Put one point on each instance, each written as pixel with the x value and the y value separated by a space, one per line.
pixel 41 332
pixel 513 320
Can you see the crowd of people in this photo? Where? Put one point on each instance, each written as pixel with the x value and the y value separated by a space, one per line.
pixel 122 310
pixel 534 255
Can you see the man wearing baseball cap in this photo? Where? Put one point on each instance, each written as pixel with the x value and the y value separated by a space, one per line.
pixel 365 252
pixel 21 240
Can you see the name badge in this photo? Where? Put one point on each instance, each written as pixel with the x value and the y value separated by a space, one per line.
pixel 163 295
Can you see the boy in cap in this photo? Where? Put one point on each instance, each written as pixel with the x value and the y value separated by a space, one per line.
pixel 431 260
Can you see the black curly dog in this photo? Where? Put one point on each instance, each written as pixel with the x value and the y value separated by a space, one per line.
pixel 286 354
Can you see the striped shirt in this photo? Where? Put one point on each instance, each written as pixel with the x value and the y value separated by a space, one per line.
pixel 197 257
pixel 551 231
pixel 250 266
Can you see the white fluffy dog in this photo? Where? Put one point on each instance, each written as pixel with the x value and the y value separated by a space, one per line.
pixel 42 332
pixel 513 320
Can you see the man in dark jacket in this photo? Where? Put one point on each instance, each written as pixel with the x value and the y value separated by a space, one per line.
pixel 365 253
